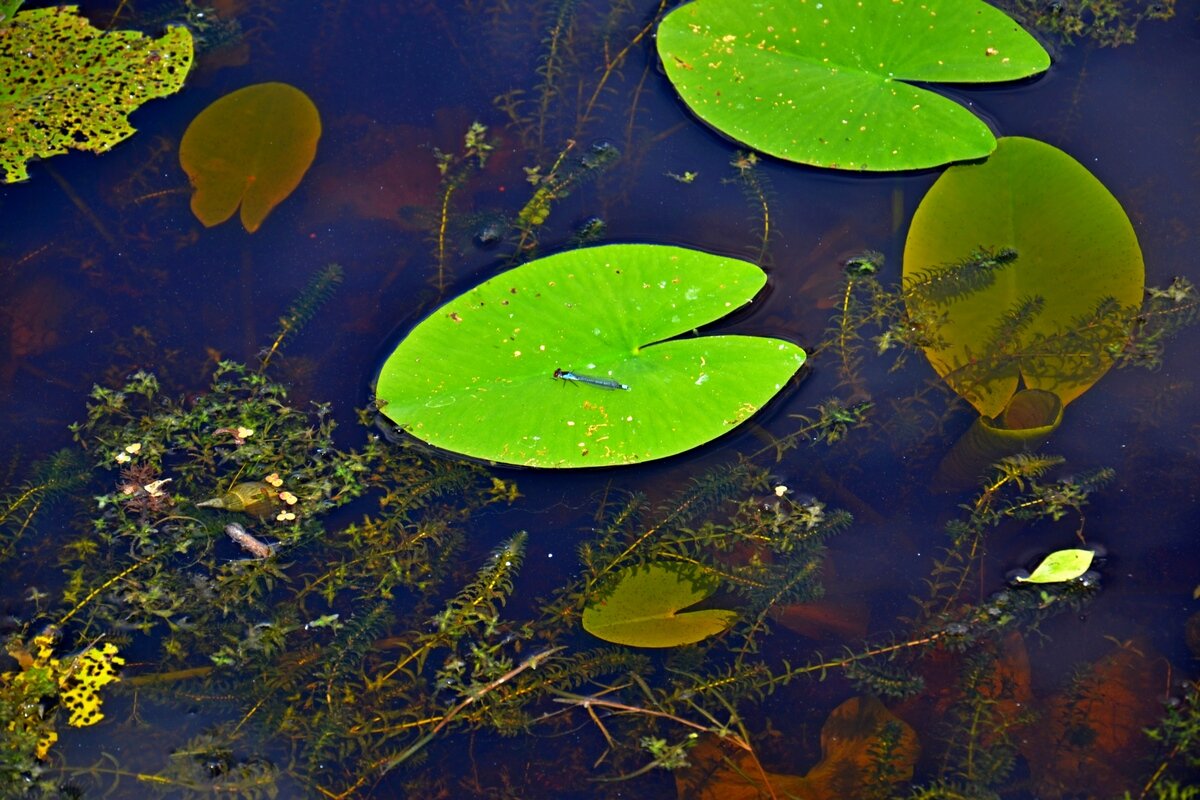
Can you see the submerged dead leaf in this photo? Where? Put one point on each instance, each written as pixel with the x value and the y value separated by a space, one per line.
pixel 841 615
pixel 1092 742
pixel 1005 682
pixel 839 620
pixel 850 739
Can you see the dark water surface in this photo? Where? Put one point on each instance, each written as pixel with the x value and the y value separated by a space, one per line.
pixel 117 275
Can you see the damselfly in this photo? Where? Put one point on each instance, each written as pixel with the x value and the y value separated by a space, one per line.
pixel 603 383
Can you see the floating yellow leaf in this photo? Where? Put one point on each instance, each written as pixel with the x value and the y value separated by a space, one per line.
pixel 251 147
pixel 89 672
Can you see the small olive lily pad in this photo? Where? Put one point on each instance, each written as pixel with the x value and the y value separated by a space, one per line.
pixel 643 609
pixel 829 83
pixel 249 148
pixel 1060 566
pixel 569 360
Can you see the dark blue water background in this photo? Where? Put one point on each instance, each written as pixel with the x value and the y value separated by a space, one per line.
pixel 392 80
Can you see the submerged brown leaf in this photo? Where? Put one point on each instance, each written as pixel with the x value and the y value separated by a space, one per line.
pixel 850 739
pixel 1092 742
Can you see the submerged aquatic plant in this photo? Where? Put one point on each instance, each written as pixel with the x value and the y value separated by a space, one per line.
pixel 1108 23
pixel 873 320
pixel 455 170
pixel 564 176
pixel 356 644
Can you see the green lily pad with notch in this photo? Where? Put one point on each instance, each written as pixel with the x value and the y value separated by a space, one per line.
pixel 477 376
pixel 824 83
pixel 645 608
pixel 66 85
pixel 1061 566
pixel 1075 249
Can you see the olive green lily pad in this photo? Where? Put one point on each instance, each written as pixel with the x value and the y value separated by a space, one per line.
pixel 478 376
pixel 644 608
pixel 65 85
pixel 1077 256
pixel 1060 566
pixel 823 83
pixel 249 148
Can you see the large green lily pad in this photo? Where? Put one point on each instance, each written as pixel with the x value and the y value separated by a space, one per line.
pixel 65 85
pixel 249 148
pixel 822 83
pixel 644 608
pixel 1076 249
pixel 478 376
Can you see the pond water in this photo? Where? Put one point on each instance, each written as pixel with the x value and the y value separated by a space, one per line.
pixel 107 272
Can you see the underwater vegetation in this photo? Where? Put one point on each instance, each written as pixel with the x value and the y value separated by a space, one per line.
pixel 272 602
pixel 343 649
pixel 1108 23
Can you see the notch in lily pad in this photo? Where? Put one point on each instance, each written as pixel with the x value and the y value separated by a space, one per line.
pixel 572 361
pixel 644 609
pixel 1059 567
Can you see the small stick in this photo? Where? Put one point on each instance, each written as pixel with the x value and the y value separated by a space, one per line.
pixel 253 546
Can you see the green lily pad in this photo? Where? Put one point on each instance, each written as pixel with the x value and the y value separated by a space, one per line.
pixel 822 83
pixel 249 148
pixel 643 609
pixel 65 85
pixel 1076 252
pixel 1063 565
pixel 478 376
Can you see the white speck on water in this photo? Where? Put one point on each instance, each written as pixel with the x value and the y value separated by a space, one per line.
pixel 516 353
pixel 702 379
pixel 692 293
pixel 570 423
pixel 595 331
pixel 629 419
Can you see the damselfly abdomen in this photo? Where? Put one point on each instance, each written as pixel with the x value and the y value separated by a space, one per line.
pixel 603 383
